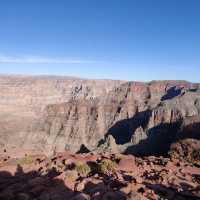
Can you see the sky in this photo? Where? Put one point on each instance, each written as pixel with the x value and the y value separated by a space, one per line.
pixel 139 40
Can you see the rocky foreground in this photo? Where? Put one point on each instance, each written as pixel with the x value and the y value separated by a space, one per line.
pixel 26 175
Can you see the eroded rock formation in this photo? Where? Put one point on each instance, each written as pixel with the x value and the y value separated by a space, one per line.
pixel 135 114
pixel 59 113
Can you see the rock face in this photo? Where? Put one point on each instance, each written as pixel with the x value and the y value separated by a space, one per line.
pixel 140 117
pixel 138 136
pixel 23 101
pixel 63 113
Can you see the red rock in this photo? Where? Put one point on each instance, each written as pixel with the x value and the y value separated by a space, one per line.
pixel 79 187
pixel 127 164
pixel 144 182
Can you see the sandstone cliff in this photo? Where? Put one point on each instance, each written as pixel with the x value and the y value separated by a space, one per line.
pixel 23 100
pixel 156 109
pixel 63 113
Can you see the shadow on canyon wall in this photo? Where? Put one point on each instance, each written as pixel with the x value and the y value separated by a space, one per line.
pixel 191 131
pixel 123 130
pixel 158 141
pixel 171 93
pixel 83 149
pixel 159 137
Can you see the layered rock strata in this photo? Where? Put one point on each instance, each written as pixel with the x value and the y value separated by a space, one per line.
pixel 63 113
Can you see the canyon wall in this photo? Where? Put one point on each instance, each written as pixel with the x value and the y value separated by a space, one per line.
pixel 64 113
pixel 23 100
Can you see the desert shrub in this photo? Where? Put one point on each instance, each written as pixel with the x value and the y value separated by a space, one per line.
pixel 71 175
pixel 49 164
pixel 61 166
pixel 118 157
pixel 27 160
pixel 83 169
pixel 107 166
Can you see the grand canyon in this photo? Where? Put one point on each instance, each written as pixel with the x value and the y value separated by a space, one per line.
pixel 73 138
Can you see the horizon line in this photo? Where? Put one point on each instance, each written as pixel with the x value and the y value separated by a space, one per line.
pixel 41 60
pixel 84 78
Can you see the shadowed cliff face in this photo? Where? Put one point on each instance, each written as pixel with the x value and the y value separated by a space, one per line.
pixel 59 113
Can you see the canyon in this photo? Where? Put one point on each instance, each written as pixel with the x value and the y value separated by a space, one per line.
pixel 54 114
pixel 78 139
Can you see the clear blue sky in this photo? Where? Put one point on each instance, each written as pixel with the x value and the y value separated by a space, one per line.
pixel 117 39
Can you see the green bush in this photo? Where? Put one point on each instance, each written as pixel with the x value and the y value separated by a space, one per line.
pixel 71 175
pixel 61 166
pixel 27 160
pixel 83 169
pixel 118 157
pixel 107 166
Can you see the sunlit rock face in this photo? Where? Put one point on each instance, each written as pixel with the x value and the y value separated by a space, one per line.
pixel 65 113
pixel 23 102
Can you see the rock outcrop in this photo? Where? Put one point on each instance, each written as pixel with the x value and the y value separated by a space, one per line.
pixel 138 136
